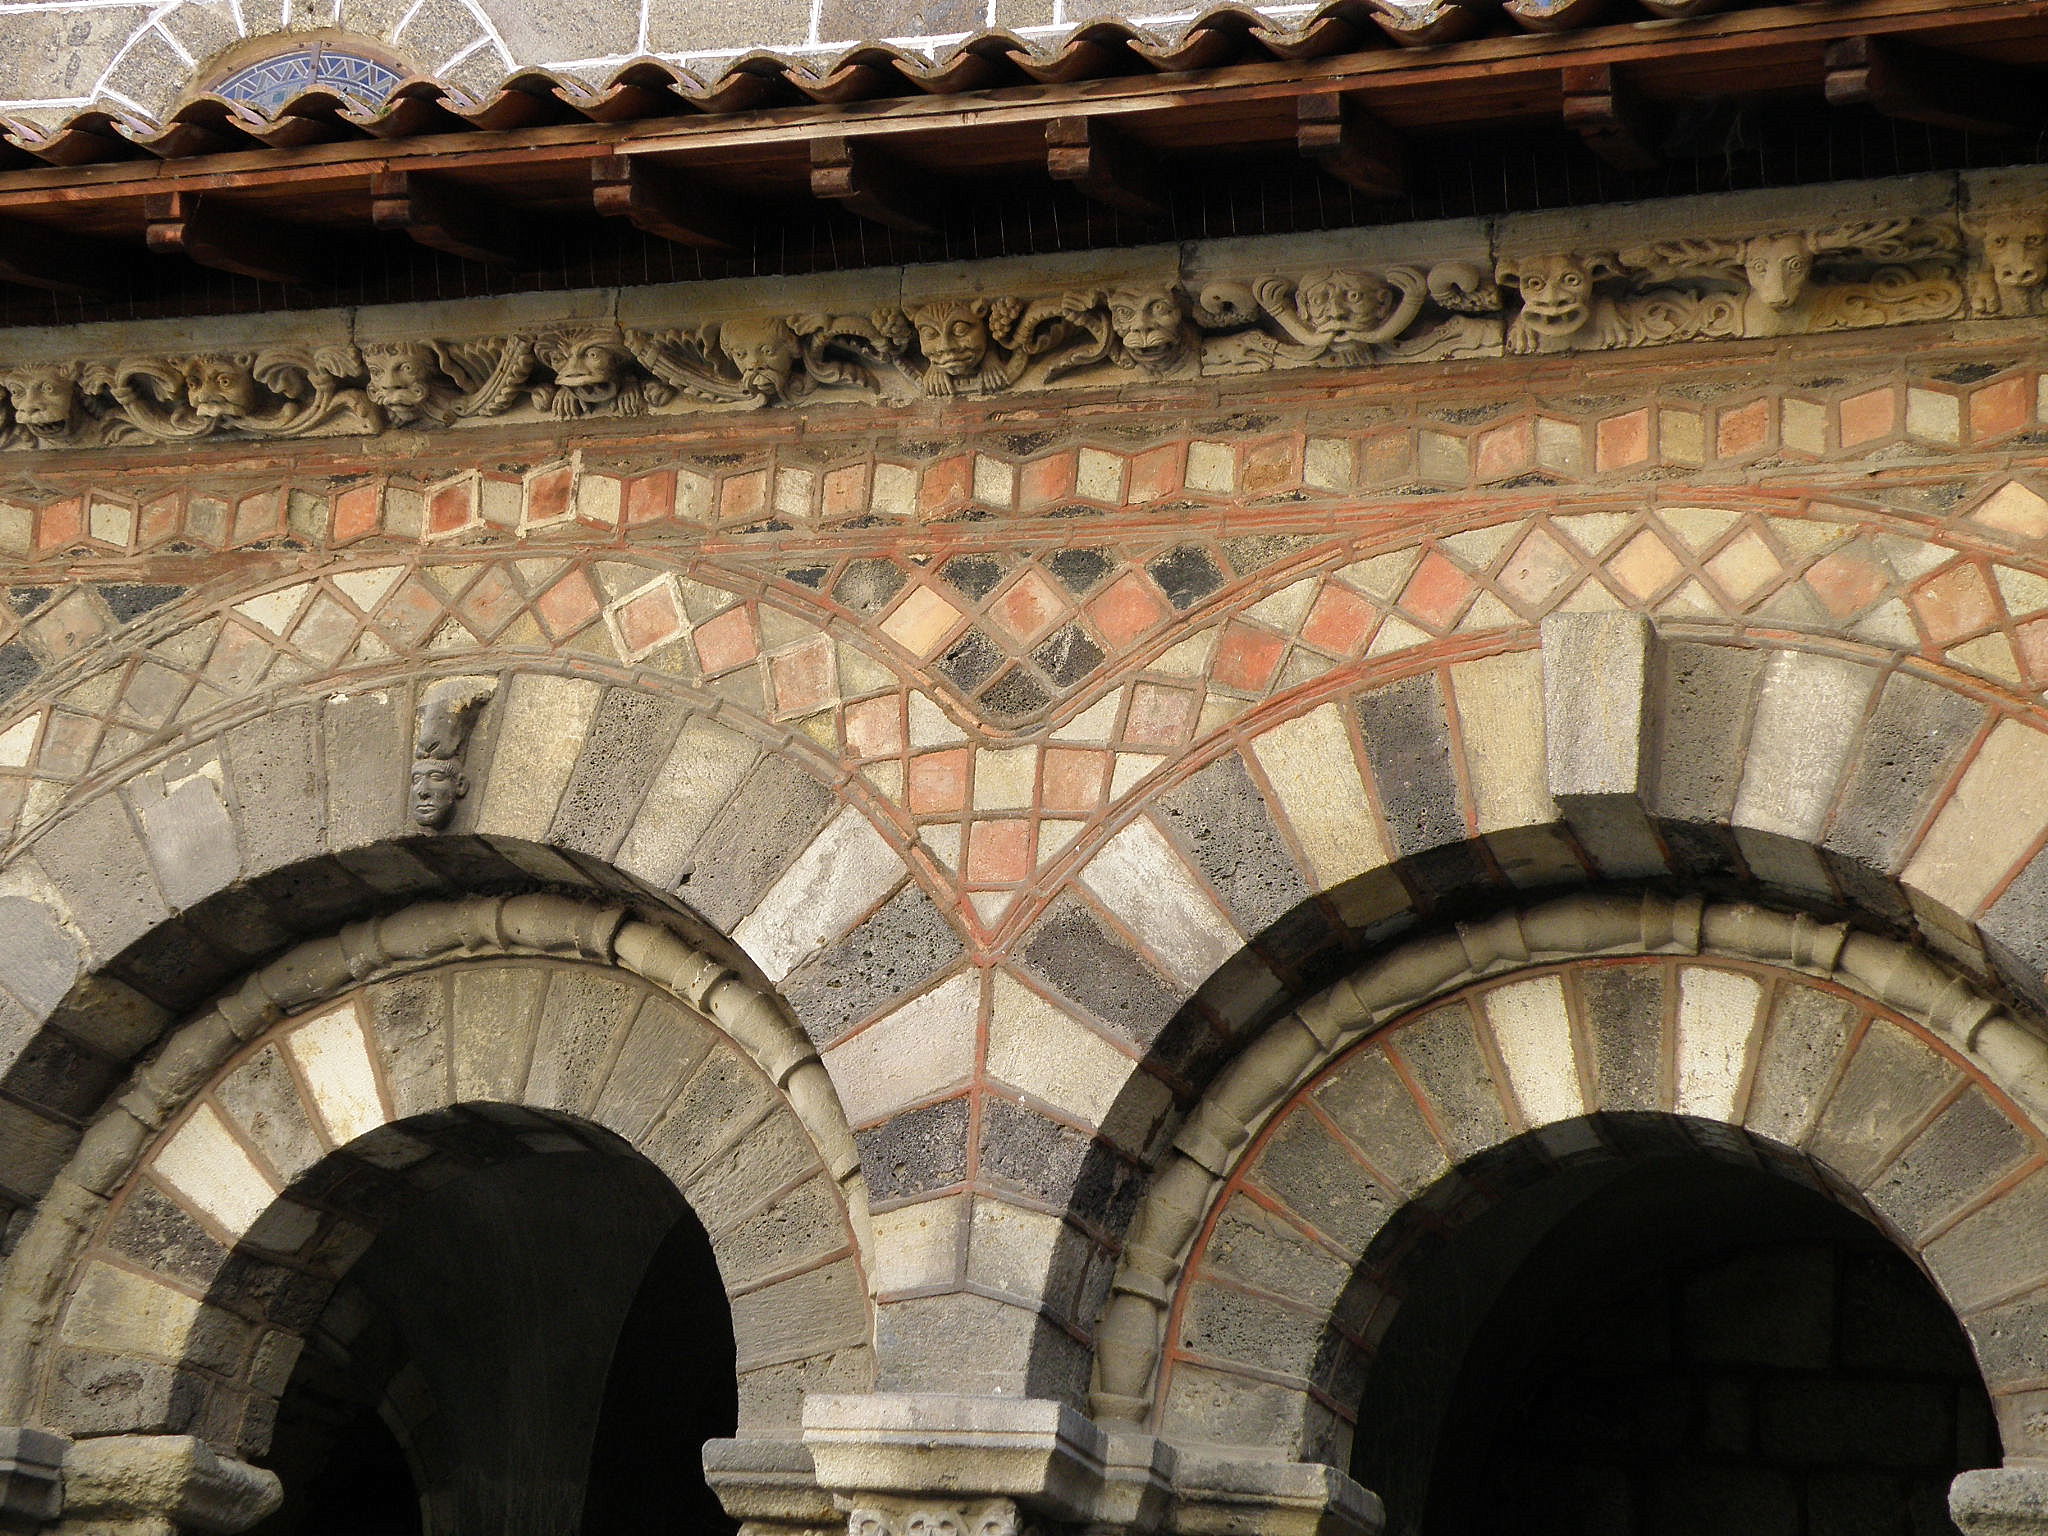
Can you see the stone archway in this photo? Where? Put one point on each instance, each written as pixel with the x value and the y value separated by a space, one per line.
pixel 197 1236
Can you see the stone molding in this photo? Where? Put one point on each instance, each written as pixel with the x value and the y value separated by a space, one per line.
pixel 2001 1501
pixel 1275 1065
pixel 157 1485
pixel 1740 266
pixel 415 938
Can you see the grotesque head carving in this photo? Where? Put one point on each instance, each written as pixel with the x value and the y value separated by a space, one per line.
pixel 221 386
pixel 1347 307
pixel 1151 325
pixel 2015 245
pixel 592 369
pixel 765 352
pixel 1777 267
pixel 438 780
pixel 401 376
pixel 1557 290
pixel 45 398
pixel 953 335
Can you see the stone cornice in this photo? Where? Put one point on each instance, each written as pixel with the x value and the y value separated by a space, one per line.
pixel 1693 270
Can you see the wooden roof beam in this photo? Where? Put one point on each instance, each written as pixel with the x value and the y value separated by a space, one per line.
pixel 1925 85
pixel 443 217
pixel 667 204
pixel 868 181
pixel 214 234
pixel 1609 116
pixel 1106 165
pixel 1351 145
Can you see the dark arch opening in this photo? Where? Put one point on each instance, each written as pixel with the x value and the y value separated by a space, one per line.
pixel 535 1342
pixel 1665 1336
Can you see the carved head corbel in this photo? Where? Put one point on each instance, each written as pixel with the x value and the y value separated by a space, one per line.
pixel 953 335
pixel 1778 268
pixel 1151 325
pixel 446 714
pixel 404 378
pixel 1557 289
pixel 221 387
pixel 765 351
pixel 2012 245
pixel 45 399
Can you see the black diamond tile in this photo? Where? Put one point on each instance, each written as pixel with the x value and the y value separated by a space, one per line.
pixel 974 575
pixel 1067 655
pixel 1186 575
pixel 132 602
pixel 1079 569
pixel 867 585
pixel 972 661
pixel 1015 695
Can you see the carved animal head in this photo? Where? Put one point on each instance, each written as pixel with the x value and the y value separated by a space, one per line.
pixel 1347 307
pixel 592 367
pixel 1777 267
pixel 953 335
pixel 437 783
pixel 1557 290
pixel 402 376
pixel 45 397
pixel 1151 325
pixel 765 351
pixel 2015 246
pixel 221 386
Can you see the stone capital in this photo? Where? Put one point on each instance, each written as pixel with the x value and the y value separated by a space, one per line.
pixel 2001 1501
pixel 31 1476
pixel 161 1485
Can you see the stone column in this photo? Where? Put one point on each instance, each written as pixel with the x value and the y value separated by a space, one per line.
pixel 2002 1501
pixel 160 1485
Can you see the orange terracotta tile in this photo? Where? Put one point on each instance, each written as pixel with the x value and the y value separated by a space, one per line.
pixel 60 523
pixel 1127 609
pixel 1073 779
pixel 805 677
pixel 727 641
pixel 1272 466
pixel 2001 407
pixel 1154 473
pixel 1743 429
pixel 1504 450
pixel 1868 416
pixel 355 512
pixel 874 727
pixel 1045 481
pixel 1645 565
pixel 2031 639
pixel 1159 717
pixel 946 483
pixel 1031 606
pixel 1955 603
pixel 649 498
pixel 649 619
pixel 938 782
pixel 1247 658
pixel 449 508
pixel 568 605
pixel 1341 621
pixel 845 490
pixel 1847 582
pixel 1744 566
pixel 1386 459
pixel 921 622
pixel 999 852
pixel 547 494
pixel 1436 591
pixel 1620 441
pixel 741 497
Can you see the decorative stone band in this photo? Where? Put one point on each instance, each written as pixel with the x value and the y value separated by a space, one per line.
pixel 409 940
pixel 1205 1150
pixel 1921 249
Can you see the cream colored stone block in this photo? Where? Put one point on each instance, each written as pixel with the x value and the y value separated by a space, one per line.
pixel 703 768
pixel 1143 882
pixel 1129 769
pixel 1040 1050
pixel 1717 1013
pixel 919 1247
pixel 995 483
pixel 912 1054
pixel 538 738
pixel 895 491
pixel 19 740
pixel 1804 426
pixel 275 611
pixel 1005 780
pixel 793 490
pixel 111 523
pixel 333 1055
pixel 1100 476
pixel 123 1313
pixel 1315 776
pixel 1934 416
pixel 846 869
pixel 1010 1248
pixel 597 498
pixel 17 528
pixel 366 589
pixel 1499 700
pixel 1994 815
pixel 1328 464
pixel 1533 1028
pixel 1212 467
pixel 213 1173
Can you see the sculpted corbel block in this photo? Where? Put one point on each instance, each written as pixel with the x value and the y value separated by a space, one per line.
pixel 446 715
pixel 592 372
pixel 2009 259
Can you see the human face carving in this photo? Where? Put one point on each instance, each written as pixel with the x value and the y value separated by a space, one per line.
pixel 954 338
pixel 1149 323
pixel 436 785
pixel 765 354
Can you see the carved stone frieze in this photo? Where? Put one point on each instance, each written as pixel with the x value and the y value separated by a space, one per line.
pixel 1698 270
pixel 881 1516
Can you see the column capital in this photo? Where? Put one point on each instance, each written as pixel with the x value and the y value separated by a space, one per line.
pixel 2001 1501
pixel 161 1485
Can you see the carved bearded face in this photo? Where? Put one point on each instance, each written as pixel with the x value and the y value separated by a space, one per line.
pixel 437 783
pixel 220 387
pixel 401 376
pixel 1557 291
pixel 45 398
pixel 953 337
pixel 1150 324
pixel 2016 248
pixel 1345 306
pixel 1777 267
pixel 764 351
